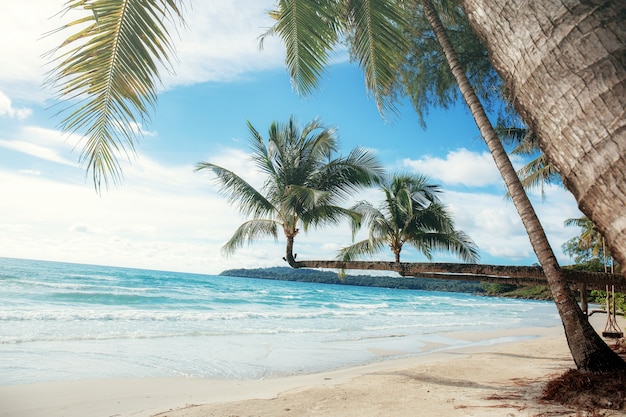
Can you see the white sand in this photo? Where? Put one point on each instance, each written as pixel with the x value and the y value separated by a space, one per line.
pixel 487 380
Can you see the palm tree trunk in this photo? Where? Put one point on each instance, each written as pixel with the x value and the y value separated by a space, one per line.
pixel 588 350
pixel 564 63
pixel 289 253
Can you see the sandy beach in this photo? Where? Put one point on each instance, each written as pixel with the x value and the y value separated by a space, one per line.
pixel 494 379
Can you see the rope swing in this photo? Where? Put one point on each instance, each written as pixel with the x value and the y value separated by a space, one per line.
pixel 611 329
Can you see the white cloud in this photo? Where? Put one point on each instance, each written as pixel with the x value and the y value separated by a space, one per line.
pixel 496 227
pixel 460 167
pixel 22 70
pixel 46 144
pixel 7 109
pixel 220 42
pixel 29 172
pixel 138 129
pixel 133 226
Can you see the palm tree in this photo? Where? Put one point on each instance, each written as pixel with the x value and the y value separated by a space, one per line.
pixel 575 112
pixel 566 70
pixel 304 183
pixel 564 66
pixel 590 238
pixel 374 29
pixel 410 214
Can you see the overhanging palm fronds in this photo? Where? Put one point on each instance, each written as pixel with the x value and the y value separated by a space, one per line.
pixel 378 46
pixel 108 70
pixel 537 172
pixel 311 29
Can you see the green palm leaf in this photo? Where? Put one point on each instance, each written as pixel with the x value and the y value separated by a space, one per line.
pixel 109 69
pixel 310 30
pixel 379 45
pixel 362 248
pixel 250 231
pixel 247 199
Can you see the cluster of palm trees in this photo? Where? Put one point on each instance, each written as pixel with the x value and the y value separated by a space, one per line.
pixel 305 185
pixel 564 67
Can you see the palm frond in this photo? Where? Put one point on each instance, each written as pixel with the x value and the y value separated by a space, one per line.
pixel 379 45
pixel 261 155
pixel 250 231
pixel 302 199
pixel 366 215
pixel 583 222
pixel 248 200
pixel 310 29
pixel 361 248
pixel 455 242
pixel 344 176
pixel 109 70
pixel 536 174
pixel 326 215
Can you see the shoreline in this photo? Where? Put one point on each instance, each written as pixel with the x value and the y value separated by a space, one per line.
pixel 147 397
pixel 503 376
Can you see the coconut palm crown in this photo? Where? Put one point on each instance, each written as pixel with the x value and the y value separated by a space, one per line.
pixel 410 214
pixel 304 183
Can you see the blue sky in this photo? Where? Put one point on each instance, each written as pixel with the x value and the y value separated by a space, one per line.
pixel 165 216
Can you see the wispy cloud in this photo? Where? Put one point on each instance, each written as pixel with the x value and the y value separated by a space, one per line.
pixel 36 151
pixel 43 143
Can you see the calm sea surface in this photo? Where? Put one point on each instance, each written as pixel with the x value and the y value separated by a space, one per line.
pixel 62 321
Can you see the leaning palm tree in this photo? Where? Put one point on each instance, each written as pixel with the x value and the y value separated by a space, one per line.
pixel 374 30
pixel 564 63
pixel 411 214
pixel 304 183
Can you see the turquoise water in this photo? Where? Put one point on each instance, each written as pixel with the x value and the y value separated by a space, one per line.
pixel 62 321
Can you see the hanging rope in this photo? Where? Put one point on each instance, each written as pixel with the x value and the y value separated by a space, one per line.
pixel 611 329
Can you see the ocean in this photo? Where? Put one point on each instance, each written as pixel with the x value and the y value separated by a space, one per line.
pixel 61 321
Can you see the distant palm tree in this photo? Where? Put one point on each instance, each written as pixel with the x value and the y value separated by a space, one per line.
pixel 304 183
pixel 590 238
pixel 411 214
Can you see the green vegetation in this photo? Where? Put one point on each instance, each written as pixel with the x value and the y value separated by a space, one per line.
pixel 590 253
pixel 599 297
pixel 410 214
pixel 327 277
pixel 531 292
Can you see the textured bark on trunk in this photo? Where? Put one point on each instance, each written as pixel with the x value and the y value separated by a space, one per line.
pixel 289 252
pixel 588 350
pixel 564 62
